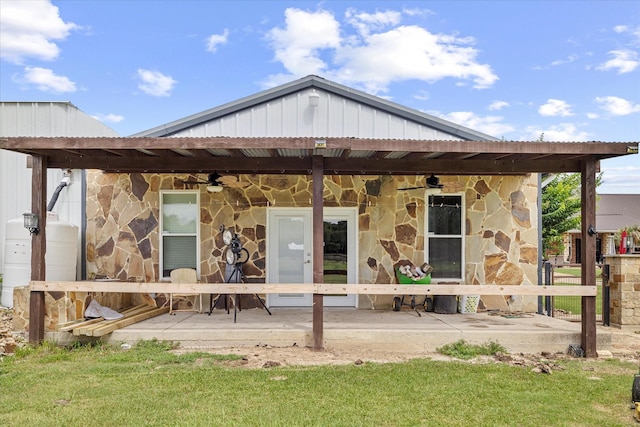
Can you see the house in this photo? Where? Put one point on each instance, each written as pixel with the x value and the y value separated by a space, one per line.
pixel 613 213
pixel 312 168
pixel 43 119
pixel 474 229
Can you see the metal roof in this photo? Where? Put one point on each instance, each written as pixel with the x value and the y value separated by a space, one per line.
pixel 294 155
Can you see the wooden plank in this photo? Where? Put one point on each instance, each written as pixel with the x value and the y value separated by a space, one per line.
pixel 70 326
pixel 84 327
pixel 445 289
pixel 322 288
pixel 168 287
pixel 121 323
pixel 134 311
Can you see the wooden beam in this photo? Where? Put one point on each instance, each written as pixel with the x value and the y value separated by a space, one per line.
pixel 38 247
pixel 310 288
pixel 588 249
pixel 318 249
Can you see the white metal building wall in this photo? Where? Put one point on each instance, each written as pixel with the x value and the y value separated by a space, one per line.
pixel 41 119
pixel 334 116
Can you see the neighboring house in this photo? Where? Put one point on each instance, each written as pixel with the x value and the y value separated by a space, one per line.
pixel 149 208
pixel 613 212
pixel 42 119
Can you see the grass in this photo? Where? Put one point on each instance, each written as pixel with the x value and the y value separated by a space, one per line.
pixel 465 351
pixel 571 304
pixel 149 385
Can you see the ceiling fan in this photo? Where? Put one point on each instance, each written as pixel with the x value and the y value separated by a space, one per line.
pixel 216 182
pixel 431 182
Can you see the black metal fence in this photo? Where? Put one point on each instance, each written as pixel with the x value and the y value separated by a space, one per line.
pixel 570 307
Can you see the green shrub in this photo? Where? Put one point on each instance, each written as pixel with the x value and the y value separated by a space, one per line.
pixel 463 350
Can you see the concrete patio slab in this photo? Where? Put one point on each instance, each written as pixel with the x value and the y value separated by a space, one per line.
pixel 350 329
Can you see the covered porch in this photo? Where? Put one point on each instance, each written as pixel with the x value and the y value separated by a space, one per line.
pixel 352 330
pixel 320 157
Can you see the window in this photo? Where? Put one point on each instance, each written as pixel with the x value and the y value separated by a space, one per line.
pixel 180 220
pixel 444 240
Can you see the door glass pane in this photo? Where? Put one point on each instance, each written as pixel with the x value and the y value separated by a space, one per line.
pixel 445 215
pixel 335 251
pixel 445 257
pixel 291 250
pixel 179 213
pixel 178 252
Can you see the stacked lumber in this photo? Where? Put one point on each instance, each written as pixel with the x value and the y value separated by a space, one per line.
pixel 98 327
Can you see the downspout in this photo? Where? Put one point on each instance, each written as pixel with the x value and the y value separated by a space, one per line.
pixel 65 182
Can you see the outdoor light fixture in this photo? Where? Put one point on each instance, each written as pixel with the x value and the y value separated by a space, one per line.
pixel 314 98
pixel 31 222
pixel 214 188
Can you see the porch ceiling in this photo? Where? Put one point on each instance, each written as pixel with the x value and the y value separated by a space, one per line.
pixel 342 155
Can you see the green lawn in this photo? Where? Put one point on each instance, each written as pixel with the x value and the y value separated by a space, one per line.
pixel 571 304
pixel 150 386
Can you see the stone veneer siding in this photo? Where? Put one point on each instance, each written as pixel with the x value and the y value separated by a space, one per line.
pixel 123 218
pixel 624 290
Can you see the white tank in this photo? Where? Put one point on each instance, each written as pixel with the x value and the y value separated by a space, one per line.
pixel 60 258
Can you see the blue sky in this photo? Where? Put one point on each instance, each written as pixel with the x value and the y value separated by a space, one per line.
pixel 512 69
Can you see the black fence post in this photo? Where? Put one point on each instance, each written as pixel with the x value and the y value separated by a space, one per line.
pixel 606 314
pixel 548 274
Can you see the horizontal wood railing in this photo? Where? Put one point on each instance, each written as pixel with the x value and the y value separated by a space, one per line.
pixel 312 288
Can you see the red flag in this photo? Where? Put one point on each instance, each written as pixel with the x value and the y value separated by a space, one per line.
pixel 623 242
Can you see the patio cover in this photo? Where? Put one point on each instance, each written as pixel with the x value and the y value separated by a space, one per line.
pixel 317 156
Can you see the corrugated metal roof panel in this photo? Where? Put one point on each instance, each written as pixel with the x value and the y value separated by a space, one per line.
pixel 49 119
pixel 256 152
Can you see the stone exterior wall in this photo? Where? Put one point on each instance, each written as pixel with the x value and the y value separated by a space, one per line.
pixel 123 218
pixel 624 290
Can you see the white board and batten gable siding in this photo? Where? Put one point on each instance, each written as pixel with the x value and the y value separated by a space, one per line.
pixel 334 116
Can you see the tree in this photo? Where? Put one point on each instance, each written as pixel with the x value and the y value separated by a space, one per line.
pixel 561 205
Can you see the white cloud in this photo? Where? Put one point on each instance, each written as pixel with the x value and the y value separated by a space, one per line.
pixel 155 83
pixel 379 53
pixel 491 125
pixel 617 106
pixel 216 40
pixel 422 95
pixel 297 45
pixel 364 22
pixel 593 115
pixel 555 107
pixel 29 29
pixel 47 81
pixel 568 60
pixel 624 61
pixel 498 105
pixel 108 118
pixel 561 132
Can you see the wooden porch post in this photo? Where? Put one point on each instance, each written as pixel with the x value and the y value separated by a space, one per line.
pixel 588 254
pixel 318 250
pixel 38 247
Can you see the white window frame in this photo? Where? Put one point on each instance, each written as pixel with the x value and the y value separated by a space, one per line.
pixel 438 192
pixel 162 234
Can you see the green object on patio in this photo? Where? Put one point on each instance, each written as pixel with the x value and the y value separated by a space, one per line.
pixel 404 280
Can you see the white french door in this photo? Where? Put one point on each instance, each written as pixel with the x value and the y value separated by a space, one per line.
pixel 290 256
